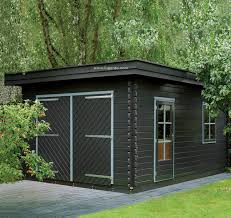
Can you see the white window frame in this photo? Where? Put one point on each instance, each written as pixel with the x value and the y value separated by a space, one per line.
pixel 164 141
pixel 209 141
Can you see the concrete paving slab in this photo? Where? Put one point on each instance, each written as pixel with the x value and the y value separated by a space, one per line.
pixel 35 199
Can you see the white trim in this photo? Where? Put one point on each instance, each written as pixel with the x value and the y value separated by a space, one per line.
pixel 164 132
pixel 164 122
pixel 36 145
pixel 173 139
pixel 202 123
pixel 74 94
pixel 171 101
pixel 210 141
pixel 162 141
pixel 112 138
pixel 155 141
pixel 49 135
pixel 99 96
pixel 48 99
pixel 99 136
pixel 98 176
pixel 71 138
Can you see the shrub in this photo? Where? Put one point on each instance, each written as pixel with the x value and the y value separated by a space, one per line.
pixel 18 125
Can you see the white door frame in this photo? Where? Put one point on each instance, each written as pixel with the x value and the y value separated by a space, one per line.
pixel 109 94
pixel 170 100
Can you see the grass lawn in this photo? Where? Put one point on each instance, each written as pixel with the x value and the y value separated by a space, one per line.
pixel 212 201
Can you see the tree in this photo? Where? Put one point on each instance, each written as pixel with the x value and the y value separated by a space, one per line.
pixel 17 127
pixel 11 46
pixel 57 33
pixel 205 26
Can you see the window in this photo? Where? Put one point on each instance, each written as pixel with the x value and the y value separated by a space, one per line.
pixel 208 126
pixel 164 129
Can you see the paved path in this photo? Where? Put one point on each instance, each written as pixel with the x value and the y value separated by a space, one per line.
pixel 34 199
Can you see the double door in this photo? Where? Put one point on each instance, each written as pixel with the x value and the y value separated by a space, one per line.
pixel 80 141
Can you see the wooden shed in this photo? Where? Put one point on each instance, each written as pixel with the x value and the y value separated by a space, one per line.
pixel 129 124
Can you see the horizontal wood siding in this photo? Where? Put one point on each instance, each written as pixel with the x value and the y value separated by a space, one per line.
pixel 120 88
pixel 192 158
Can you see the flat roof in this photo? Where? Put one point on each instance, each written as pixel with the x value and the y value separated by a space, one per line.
pixel 107 69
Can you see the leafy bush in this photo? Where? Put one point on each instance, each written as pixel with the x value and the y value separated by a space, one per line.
pixel 17 127
pixel 228 169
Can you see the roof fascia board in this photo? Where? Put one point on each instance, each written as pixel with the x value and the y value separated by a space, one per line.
pixel 135 67
pixel 136 72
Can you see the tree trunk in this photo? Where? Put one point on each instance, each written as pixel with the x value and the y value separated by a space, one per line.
pixel 83 33
pixel 117 9
pixel 64 39
pixel 46 33
pixel 95 42
pixel 75 11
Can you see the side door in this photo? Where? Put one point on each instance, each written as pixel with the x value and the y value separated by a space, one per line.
pixel 163 139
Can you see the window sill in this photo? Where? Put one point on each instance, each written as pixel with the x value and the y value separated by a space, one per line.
pixel 209 142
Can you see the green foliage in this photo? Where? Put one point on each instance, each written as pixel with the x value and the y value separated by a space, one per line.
pixel 172 32
pixel 228 169
pixel 189 34
pixel 114 30
pixel 18 127
pixel 9 173
pixel 37 166
pixel 206 50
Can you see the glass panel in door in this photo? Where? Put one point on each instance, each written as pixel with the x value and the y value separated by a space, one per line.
pixel 164 141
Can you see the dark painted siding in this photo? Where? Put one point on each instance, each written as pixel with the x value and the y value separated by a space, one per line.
pixel 120 87
pixel 192 158
pixel 91 155
pixel 56 149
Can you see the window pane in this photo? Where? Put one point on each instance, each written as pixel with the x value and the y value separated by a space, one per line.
pixel 212 119
pixel 212 132
pixel 160 131
pixel 160 151
pixel 206 115
pixel 168 152
pixel 160 113
pixel 168 113
pixel 168 132
pixel 206 132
